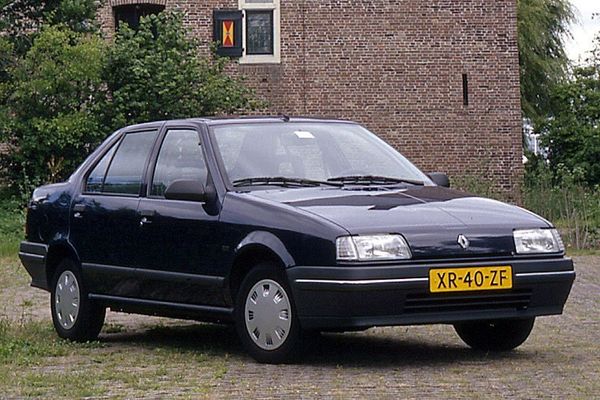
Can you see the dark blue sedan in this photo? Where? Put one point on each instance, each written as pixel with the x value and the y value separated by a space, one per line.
pixel 285 227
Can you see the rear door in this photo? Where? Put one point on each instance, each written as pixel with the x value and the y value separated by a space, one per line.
pixel 104 220
pixel 180 238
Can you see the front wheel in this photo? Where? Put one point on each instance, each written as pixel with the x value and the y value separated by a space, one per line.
pixel 265 316
pixel 74 315
pixel 497 335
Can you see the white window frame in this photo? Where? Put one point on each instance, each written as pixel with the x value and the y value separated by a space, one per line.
pixel 275 58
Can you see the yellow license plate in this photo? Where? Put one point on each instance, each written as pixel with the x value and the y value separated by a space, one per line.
pixel 472 278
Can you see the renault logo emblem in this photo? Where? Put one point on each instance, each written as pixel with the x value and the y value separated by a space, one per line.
pixel 463 241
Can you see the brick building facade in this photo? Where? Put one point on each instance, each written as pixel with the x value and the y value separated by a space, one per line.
pixel 438 79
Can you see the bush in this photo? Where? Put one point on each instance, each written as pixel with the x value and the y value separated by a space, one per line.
pixel 71 89
pixel 157 73
pixel 572 133
pixel 479 185
pixel 12 220
pixel 562 198
pixel 52 114
pixel 21 20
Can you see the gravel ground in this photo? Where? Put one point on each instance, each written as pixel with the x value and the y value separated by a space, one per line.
pixel 560 360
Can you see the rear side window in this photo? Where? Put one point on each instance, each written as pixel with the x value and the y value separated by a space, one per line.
pixel 96 177
pixel 180 157
pixel 124 174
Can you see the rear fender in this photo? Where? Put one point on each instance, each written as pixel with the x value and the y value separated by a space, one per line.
pixel 59 249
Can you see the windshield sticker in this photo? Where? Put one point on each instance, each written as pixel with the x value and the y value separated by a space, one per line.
pixel 304 135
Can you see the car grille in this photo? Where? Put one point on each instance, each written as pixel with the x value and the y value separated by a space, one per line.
pixel 426 302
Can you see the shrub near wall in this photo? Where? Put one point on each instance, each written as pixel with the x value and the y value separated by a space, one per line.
pixel 52 100
pixel 157 73
pixel 562 198
pixel 71 90
pixel 572 134
pixel 558 195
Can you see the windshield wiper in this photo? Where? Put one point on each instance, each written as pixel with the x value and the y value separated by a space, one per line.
pixel 282 181
pixel 373 180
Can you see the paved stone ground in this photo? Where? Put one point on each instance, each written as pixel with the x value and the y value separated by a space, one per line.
pixel 560 360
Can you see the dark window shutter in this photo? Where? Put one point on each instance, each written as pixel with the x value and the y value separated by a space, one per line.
pixel 227 32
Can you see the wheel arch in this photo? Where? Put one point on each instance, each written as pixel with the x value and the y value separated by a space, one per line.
pixel 58 251
pixel 259 246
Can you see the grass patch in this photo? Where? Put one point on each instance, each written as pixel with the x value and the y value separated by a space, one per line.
pixel 573 208
pixel 12 272
pixel 563 197
pixel 12 222
pixel 56 384
pixel 35 363
pixel 24 343
pixel 113 328
pixel 583 252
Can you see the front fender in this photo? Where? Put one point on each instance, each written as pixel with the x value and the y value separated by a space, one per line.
pixel 268 240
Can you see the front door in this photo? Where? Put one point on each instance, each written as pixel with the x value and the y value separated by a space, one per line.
pixel 104 220
pixel 177 263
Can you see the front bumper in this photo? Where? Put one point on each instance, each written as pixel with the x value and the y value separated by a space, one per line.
pixel 357 296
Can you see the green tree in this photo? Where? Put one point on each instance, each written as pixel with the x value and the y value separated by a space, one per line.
pixel 71 89
pixel 7 59
pixel 573 130
pixel 51 114
pixel 157 72
pixel 542 28
pixel 21 20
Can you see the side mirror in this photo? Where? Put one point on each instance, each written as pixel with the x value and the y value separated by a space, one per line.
pixel 440 179
pixel 186 189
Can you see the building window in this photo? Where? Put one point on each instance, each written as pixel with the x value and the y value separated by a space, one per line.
pixel 261 31
pixel 131 13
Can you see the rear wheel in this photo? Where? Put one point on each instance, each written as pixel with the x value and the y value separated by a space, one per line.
pixel 265 316
pixel 74 315
pixel 497 335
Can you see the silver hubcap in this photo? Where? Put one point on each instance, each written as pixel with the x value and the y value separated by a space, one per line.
pixel 268 314
pixel 66 299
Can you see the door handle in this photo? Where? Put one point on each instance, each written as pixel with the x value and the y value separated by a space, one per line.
pixel 78 209
pixel 145 221
pixel 146 216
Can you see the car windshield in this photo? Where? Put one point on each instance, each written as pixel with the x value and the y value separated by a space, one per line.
pixel 310 153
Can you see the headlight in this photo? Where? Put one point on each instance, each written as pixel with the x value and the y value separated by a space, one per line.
pixel 372 248
pixel 532 241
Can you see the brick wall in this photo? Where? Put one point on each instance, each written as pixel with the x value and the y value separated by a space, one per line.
pixel 396 66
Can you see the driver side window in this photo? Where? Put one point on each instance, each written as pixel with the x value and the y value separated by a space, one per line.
pixel 180 157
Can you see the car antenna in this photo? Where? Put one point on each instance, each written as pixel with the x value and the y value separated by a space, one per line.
pixel 285 118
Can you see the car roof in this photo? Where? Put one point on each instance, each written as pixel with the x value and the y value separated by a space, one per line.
pixel 262 119
pixel 224 120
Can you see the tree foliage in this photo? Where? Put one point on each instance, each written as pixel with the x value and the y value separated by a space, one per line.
pixel 542 27
pixel 21 20
pixel 157 73
pixel 71 89
pixel 573 130
pixel 52 101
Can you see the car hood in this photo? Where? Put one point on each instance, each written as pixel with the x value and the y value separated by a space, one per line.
pixel 430 217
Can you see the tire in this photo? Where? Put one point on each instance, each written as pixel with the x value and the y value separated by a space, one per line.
pixel 499 335
pixel 74 315
pixel 265 317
